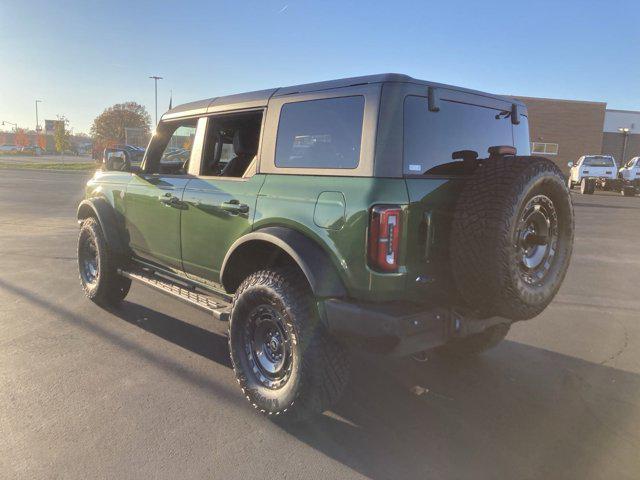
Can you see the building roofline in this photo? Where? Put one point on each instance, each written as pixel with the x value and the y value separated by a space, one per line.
pixel 623 111
pixel 522 97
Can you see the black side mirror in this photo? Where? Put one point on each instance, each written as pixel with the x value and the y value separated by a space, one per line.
pixel 433 100
pixel 116 163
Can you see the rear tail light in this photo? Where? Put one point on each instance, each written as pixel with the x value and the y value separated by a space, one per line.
pixel 384 238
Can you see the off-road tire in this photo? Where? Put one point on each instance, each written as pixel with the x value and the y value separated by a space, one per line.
pixel 109 288
pixel 487 265
pixel 474 344
pixel 629 191
pixel 587 187
pixel 319 368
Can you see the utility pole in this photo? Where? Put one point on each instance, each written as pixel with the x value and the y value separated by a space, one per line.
pixel 625 132
pixel 155 80
pixel 37 121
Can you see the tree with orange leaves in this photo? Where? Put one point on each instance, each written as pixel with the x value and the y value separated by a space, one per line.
pixel 22 140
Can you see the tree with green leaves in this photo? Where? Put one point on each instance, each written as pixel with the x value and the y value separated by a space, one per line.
pixel 110 125
pixel 61 135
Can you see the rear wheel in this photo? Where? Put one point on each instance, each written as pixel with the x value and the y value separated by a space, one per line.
pixel 97 266
pixel 512 237
pixel 285 362
pixel 587 187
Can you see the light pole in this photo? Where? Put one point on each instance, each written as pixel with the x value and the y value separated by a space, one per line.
pixel 625 132
pixel 15 125
pixel 37 121
pixel 155 81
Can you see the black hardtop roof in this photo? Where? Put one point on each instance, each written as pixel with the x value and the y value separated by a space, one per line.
pixel 261 97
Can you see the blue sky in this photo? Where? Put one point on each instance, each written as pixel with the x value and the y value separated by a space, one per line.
pixel 80 57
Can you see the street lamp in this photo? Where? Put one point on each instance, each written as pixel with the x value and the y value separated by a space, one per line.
pixel 37 122
pixel 155 81
pixel 15 125
pixel 625 132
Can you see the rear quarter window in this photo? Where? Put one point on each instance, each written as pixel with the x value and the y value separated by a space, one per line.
pixel 430 138
pixel 325 133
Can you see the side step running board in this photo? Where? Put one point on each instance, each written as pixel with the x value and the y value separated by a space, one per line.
pixel 216 305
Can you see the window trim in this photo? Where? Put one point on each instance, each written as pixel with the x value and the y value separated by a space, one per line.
pixel 533 152
pixel 371 93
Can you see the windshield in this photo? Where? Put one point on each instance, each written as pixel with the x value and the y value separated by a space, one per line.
pixel 598 162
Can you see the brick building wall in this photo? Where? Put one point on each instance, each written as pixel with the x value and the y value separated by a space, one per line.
pixel 575 127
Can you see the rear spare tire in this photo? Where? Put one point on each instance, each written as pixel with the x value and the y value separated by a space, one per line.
pixel 512 237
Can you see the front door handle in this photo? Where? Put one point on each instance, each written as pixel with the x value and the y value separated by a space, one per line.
pixel 170 200
pixel 234 206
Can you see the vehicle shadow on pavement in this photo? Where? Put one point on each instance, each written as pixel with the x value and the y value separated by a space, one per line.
pixel 198 340
pixel 516 412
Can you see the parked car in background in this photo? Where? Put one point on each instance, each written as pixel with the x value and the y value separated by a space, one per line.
pixel 9 148
pixel 594 171
pixel 629 175
pixel 32 150
pixel 134 154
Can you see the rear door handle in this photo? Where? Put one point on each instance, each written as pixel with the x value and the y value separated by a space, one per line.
pixel 234 206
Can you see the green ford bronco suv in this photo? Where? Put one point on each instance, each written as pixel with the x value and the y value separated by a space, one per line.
pixel 382 212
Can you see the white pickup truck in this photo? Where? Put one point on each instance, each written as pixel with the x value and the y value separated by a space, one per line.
pixel 594 171
pixel 629 174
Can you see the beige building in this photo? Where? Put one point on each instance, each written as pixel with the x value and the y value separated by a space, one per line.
pixel 564 130
pixel 621 135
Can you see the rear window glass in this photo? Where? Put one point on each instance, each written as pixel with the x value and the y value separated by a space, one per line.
pixel 598 162
pixel 430 138
pixel 320 133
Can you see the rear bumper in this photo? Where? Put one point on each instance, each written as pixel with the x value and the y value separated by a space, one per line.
pixel 406 329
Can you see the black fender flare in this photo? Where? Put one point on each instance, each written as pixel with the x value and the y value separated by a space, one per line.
pixel 106 215
pixel 314 262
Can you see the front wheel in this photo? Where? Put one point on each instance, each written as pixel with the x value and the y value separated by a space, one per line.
pixel 629 191
pixel 286 363
pixel 97 267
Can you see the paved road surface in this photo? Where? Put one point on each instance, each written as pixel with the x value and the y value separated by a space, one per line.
pixel 147 391
pixel 45 159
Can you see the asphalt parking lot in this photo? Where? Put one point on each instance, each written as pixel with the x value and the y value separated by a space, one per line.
pixel 147 391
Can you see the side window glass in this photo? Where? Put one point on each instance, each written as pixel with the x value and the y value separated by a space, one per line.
pixel 175 158
pixel 170 148
pixel 324 133
pixel 431 138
